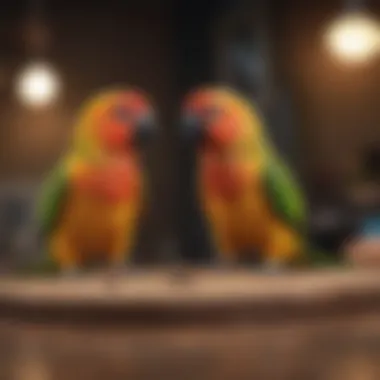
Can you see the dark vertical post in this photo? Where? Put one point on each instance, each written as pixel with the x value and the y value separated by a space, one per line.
pixel 194 68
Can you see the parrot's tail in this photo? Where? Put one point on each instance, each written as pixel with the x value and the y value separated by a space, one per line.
pixel 316 257
pixel 43 265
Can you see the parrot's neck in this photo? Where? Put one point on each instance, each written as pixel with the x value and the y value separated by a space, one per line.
pixel 98 156
pixel 115 177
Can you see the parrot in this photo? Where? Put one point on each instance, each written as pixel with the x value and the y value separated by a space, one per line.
pixel 92 201
pixel 253 205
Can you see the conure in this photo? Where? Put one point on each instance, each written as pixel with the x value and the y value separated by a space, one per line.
pixel 92 201
pixel 253 205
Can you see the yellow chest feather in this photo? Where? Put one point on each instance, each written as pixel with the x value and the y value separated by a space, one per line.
pixel 94 223
pixel 244 218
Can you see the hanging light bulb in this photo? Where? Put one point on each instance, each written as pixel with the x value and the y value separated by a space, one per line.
pixel 354 37
pixel 38 85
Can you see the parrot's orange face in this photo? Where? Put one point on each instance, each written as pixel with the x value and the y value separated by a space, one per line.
pixel 118 122
pixel 126 123
pixel 220 124
pixel 215 116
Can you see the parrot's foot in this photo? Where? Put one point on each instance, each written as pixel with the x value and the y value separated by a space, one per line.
pixel 115 272
pixel 274 267
pixel 181 274
pixel 226 262
pixel 118 269
pixel 70 273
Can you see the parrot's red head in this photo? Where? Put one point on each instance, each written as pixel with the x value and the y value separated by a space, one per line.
pixel 117 121
pixel 225 132
pixel 127 120
pixel 214 115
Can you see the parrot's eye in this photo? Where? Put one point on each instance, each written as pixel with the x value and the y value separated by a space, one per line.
pixel 122 114
pixel 212 112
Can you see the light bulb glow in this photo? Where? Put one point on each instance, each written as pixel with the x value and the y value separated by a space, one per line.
pixel 354 38
pixel 38 85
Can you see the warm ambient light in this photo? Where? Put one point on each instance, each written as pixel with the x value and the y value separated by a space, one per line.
pixel 38 85
pixel 354 38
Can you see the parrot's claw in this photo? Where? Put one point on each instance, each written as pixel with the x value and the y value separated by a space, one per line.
pixel 117 269
pixel 225 263
pixel 180 274
pixel 274 267
pixel 115 272
pixel 70 273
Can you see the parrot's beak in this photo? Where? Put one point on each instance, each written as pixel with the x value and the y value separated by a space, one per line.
pixel 192 129
pixel 221 134
pixel 146 129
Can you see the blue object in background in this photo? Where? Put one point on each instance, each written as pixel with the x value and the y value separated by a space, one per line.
pixel 371 227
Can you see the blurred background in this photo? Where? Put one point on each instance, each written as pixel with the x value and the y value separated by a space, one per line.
pixel 313 70
pixel 311 67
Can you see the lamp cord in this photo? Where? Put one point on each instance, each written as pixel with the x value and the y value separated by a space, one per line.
pixel 354 5
pixel 37 38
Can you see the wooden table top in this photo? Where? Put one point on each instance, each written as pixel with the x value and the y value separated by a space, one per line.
pixel 149 297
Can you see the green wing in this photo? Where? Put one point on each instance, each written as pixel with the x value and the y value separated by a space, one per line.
pixel 287 202
pixel 52 199
pixel 284 195
pixel 48 212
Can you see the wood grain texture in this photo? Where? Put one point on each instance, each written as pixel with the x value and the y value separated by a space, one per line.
pixel 292 345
